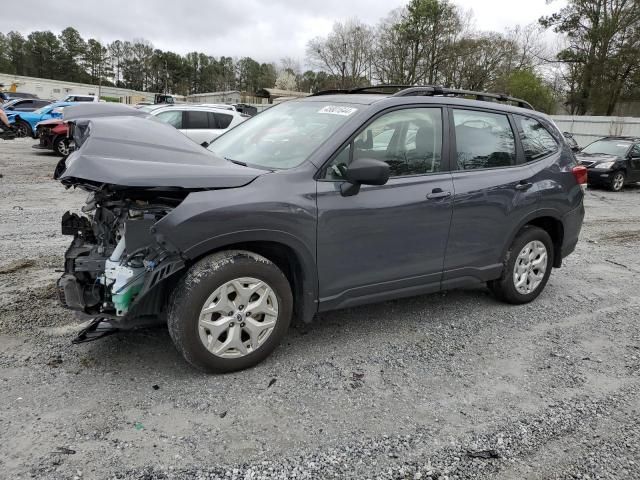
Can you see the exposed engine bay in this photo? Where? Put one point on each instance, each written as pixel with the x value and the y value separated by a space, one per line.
pixel 116 264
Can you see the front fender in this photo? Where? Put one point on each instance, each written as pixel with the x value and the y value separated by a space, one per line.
pixel 263 211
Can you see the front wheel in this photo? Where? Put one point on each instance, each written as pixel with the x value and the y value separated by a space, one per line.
pixel 23 129
pixel 61 146
pixel 617 181
pixel 527 267
pixel 230 311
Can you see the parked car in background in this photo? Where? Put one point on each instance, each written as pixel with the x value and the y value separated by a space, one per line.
pixel 200 123
pixel 24 104
pixel 80 98
pixel 612 162
pixel 26 122
pixel 6 96
pixel 53 135
pixel 321 203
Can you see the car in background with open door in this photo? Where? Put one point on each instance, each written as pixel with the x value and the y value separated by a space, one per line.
pixel 201 123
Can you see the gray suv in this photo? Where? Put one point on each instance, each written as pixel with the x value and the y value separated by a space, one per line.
pixel 336 200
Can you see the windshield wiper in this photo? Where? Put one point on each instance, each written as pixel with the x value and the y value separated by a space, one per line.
pixel 237 162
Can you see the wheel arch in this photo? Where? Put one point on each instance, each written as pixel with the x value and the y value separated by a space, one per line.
pixel 285 251
pixel 549 221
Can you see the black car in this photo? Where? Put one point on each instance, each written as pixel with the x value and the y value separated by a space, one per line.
pixel 612 162
pixel 24 104
pixel 335 200
pixel 6 96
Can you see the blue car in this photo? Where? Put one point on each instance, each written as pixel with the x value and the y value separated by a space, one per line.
pixel 26 122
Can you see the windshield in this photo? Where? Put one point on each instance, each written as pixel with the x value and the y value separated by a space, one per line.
pixel 283 136
pixel 608 147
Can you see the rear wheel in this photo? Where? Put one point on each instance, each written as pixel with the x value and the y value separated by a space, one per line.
pixel 230 311
pixel 617 181
pixel 23 129
pixel 527 267
pixel 61 146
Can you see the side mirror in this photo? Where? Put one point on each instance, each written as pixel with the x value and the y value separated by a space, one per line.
pixel 364 171
pixel 567 134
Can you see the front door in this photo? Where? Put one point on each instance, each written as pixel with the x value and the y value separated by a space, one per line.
pixel 386 241
pixel 634 160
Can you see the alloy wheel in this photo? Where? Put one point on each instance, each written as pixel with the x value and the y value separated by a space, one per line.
pixel 22 130
pixel 63 148
pixel 238 317
pixel 618 181
pixel 530 267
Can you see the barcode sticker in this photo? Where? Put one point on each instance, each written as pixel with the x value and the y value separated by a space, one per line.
pixel 338 110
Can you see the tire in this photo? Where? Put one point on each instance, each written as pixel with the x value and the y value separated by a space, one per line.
pixel 61 146
pixel 505 288
pixel 212 282
pixel 617 181
pixel 23 129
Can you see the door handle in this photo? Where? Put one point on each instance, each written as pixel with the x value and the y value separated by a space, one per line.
pixel 438 193
pixel 523 185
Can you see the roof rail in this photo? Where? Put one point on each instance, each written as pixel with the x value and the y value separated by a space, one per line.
pixel 370 89
pixel 433 90
pixel 428 90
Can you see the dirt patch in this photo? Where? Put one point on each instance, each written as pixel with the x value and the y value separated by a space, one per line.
pixel 622 237
pixel 33 308
pixel 16 265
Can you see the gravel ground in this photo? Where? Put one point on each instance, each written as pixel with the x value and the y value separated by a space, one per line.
pixel 447 386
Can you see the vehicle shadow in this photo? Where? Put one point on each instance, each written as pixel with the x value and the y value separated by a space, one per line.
pixel 151 349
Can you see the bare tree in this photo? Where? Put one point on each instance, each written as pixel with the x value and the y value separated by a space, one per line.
pixel 346 53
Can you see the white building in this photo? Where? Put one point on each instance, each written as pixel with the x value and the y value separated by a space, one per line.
pixel 230 96
pixel 58 89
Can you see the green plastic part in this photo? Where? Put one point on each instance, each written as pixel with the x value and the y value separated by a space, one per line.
pixel 122 300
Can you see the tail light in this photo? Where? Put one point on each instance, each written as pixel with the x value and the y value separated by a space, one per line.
pixel 580 173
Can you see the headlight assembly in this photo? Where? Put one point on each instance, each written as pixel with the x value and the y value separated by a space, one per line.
pixel 604 166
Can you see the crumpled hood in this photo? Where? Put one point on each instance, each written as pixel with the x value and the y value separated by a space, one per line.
pixel 136 152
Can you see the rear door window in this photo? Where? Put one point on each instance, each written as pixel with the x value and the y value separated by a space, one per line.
pixel 537 142
pixel 197 120
pixel 223 120
pixel 483 140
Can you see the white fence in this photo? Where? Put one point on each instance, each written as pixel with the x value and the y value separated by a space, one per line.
pixel 587 129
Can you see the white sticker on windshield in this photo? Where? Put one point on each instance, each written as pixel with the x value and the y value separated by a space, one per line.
pixel 622 145
pixel 338 110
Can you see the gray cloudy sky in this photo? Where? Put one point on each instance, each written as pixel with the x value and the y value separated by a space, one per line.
pixel 266 31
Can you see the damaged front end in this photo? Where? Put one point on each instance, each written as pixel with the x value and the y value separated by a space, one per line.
pixel 136 171
pixel 117 267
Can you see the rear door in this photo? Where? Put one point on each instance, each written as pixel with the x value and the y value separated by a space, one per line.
pixel 197 126
pixel 493 193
